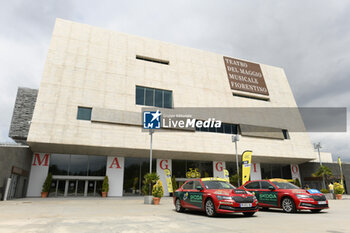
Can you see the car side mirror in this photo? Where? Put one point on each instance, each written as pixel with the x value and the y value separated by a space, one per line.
pixel 199 188
pixel 271 188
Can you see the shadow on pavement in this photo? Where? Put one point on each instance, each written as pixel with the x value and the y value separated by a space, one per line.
pixel 202 214
pixel 279 211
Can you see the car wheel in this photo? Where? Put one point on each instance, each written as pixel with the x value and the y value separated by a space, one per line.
pixel 178 206
pixel 316 211
pixel 248 214
pixel 210 208
pixel 288 205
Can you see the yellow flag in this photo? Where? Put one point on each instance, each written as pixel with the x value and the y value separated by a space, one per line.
pixel 168 180
pixel 226 175
pixel 246 164
pixel 341 172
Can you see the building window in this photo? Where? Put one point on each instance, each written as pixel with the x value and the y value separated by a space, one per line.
pixel 154 97
pixel 151 59
pixel 285 134
pixel 225 128
pixel 84 113
pixel 77 165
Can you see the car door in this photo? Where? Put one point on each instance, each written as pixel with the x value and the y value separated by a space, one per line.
pixel 196 196
pixel 268 194
pixel 187 188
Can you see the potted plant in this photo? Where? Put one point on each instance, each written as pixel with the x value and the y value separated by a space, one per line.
pixel 338 190
pixel 149 180
pixel 105 187
pixel 46 186
pixel 157 192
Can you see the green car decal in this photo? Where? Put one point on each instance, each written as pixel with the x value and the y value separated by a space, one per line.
pixel 267 197
pixel 193 198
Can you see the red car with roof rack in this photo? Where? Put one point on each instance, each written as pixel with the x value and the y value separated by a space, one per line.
pixel 279 193
pixel 214 195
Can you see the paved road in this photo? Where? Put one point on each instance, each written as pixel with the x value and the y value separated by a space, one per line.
pixel 131 215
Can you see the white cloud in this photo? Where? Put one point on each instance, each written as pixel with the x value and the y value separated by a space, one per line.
pixel 309 39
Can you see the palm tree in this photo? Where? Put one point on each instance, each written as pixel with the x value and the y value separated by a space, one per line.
pixel 323 171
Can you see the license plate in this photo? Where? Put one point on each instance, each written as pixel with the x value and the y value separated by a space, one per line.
pixel 245 205
pixel 322 202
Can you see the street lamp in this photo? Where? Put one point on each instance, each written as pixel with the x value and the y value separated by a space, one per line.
pixel 235 139
pixel 151 131
pixel 318 147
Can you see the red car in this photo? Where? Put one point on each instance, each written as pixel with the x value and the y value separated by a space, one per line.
pixel 214 195
pixel 279 193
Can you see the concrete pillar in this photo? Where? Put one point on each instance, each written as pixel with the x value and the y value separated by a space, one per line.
pixel 38 174
pixel 218 169
pixel 115 173
pixel 255 171
pixel 294 170
pixel 161 165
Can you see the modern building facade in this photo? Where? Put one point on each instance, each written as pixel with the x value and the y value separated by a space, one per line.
pixel 87 121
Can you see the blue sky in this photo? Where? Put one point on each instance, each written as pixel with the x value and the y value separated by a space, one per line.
pixel 309 39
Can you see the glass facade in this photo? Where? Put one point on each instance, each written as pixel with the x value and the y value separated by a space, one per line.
pixel 84 113
pixel 77 165
pixel 225 128
pixel 231 167
pixel 269 171
pixel 154 97
pixel 134 171
pixel 181 167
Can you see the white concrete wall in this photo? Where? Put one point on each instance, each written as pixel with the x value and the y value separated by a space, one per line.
pixel 325 157
pixel 255 171
pixel 38 174
pixel 218 169
pixel 161 165
pixel 94 67
pixel 115 173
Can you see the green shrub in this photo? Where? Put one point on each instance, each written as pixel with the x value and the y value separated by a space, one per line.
pixel 297 182
pixel 149 180
pixel 338 188
pixel 234 179
pixel 174 183
pixel 105 185
pixel 47 183
pixel 157 190
pixel 324 191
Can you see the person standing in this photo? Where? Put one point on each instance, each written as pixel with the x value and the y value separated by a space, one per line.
pixel 331 189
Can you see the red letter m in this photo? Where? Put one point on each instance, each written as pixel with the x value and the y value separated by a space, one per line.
pixel 45 159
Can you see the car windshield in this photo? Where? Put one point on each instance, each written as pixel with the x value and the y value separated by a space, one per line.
pixel 285 185
pixel 212 184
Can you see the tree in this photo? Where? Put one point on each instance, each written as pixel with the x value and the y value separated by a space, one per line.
pixel 47 183
pixel 234 179
pixel 323 171
pixel 149 180
pixel 105 185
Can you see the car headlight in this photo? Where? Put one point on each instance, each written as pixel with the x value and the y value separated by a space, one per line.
pixel 223 197
pixel 300 196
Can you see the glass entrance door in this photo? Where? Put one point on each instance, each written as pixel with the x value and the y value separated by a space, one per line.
pixel 75 188
pixel 80 188
pixel 72 184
